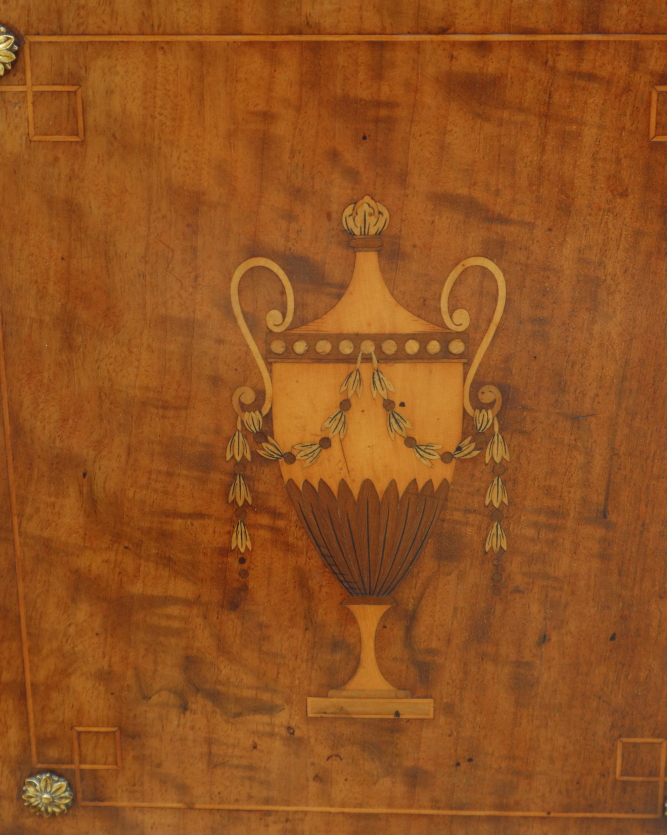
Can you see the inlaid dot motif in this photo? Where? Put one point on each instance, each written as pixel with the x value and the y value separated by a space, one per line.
pixel 278 346
pixel 389 347
pixel 411 347
pixel 300 346
pixel 367 346
pixel 433 347
pixel 323 346
pixel 346 346
pixel 456 346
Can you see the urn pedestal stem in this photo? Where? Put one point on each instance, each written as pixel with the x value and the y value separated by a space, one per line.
pixel 368 694
pixel 368 681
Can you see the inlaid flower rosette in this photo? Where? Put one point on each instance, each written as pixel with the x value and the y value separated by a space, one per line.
pixel 47 794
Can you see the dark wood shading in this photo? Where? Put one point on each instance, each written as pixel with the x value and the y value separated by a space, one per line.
pixel 368 543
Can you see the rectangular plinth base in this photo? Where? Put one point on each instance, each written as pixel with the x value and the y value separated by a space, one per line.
pixel 371 708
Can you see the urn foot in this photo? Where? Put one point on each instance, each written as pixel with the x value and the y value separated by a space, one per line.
pixel 370 708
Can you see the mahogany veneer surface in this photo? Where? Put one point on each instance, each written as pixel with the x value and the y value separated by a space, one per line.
pixel 121 354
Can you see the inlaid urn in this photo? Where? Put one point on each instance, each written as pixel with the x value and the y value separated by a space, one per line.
pixel 368 405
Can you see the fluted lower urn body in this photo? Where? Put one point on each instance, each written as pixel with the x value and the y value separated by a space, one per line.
pixel 368 542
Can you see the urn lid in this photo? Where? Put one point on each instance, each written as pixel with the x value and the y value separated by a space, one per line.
pixel 367 306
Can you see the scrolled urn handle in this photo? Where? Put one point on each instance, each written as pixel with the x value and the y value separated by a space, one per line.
pixel 460 320
pixel 274 321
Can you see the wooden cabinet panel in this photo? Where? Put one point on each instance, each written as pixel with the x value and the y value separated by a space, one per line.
pixel 121 354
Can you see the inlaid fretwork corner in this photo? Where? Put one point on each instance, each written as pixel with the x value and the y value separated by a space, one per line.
pixel 30 89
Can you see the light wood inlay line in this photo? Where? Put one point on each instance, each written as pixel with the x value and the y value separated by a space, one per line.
pixel 77 764
pixel 467 813
pixel 79 114
pixel 74 767
pixel 119 759
pixel 96 730
pixel 661 781
pixel 376 38
pixel 17 550
pixel 28 84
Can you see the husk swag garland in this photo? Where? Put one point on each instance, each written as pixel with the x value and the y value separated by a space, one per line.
pixel 397 425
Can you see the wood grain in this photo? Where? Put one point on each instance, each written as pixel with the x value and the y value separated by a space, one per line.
pixel 259 16
pixel 121 351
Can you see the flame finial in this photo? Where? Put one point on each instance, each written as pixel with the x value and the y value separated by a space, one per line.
pixel 365 217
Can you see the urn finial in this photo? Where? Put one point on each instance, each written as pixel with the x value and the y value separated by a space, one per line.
pixel 367 306
pixel 366 219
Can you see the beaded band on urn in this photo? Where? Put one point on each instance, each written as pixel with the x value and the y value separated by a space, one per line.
pixel 367 404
